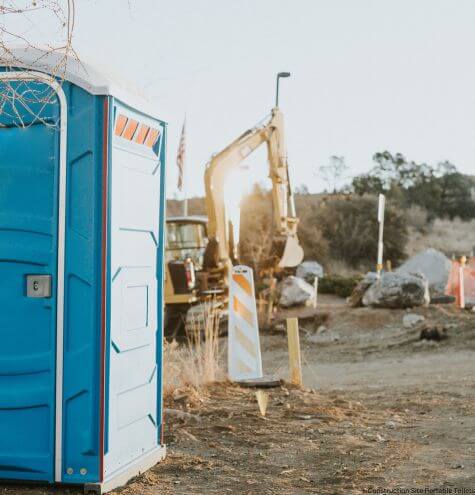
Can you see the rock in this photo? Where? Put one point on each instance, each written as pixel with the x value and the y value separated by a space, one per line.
pixel 391 424
pixel 411 320
pixel 443 299
pixel 431 263
pixel 436 333
pixel 323 336
pixel 398 290
pixel 182 415
pixel 356 298
pixel 294 291
pixel 451 327
pixel 346 424
pixel 309 270
pixel 423 344
pixel 379 438
pixel 279 327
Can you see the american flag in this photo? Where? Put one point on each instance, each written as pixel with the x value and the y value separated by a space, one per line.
pixel 180 157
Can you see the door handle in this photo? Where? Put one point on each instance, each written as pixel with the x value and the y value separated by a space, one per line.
pixel 38 286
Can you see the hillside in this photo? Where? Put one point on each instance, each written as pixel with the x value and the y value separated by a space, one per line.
pixel 340 231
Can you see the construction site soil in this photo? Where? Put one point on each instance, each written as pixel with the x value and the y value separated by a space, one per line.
pixel 381 412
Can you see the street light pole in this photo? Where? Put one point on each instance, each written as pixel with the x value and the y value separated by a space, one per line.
pixel 279 75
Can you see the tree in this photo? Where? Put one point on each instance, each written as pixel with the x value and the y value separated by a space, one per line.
pixel 302 189
pixel 334 173
pixel 440 189
pixel 455 197
pixel 367 184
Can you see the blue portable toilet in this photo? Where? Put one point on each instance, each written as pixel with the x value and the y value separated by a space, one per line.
pixel 82 203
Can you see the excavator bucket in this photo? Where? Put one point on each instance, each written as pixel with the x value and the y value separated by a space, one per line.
pixel 293 253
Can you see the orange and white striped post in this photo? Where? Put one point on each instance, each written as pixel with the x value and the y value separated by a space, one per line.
pixel 244 350
pixel 463 262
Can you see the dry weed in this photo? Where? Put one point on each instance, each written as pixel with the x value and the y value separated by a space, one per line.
pixel 195 363
pixel 449 236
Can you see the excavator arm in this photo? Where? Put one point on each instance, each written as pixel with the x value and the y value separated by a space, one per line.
pixel 285 220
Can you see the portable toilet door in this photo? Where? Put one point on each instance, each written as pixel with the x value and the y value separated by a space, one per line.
pixel 30 159
pixel 82 204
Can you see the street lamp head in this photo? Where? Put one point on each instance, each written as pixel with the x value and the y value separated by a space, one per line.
pixel 279 75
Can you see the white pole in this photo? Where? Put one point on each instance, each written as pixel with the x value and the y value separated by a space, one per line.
pixel 381 208
pixel 315 288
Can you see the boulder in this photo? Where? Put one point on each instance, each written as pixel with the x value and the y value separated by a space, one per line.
pixel 436 333
pixel 356 298
pixel 398 290
pixel 411 320
pixel 309 270
pixel 294 291
pixel 431 263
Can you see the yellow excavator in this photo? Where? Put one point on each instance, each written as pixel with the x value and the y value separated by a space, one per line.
pixel 200 251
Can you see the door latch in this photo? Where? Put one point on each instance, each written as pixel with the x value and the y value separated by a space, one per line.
pixel 38 286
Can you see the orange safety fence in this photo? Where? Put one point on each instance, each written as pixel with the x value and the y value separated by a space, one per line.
pixel 454 286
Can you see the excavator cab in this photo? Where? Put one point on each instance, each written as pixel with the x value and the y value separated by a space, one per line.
pixel 193 272
pixel 185 245
pixel 186 237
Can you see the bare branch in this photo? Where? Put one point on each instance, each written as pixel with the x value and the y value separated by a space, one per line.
pixel 20 102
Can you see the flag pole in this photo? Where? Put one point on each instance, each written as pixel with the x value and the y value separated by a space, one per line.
pixel 185 202
pixel 180 161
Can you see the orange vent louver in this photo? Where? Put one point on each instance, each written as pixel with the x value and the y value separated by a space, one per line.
pixel 152 137
pixel 120 124
pixel 130 129
pixel 140 133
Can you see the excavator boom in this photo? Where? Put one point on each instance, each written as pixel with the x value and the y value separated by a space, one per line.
pixel 285 220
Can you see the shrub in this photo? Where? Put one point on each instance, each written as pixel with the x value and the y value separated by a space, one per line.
pixel 335 284
pixel 349 225
pixel 311 237
pixel 417 218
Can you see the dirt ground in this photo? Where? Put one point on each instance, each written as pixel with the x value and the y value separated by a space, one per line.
pixel 382 412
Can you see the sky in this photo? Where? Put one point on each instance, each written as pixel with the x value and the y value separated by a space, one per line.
pixel 367 76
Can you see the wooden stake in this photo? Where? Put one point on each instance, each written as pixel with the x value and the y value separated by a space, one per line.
pixel 262 401
pixel 295 363
pixel 270 309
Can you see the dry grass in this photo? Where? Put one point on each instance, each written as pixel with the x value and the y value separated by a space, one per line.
pixel 449 236
pixel 196 363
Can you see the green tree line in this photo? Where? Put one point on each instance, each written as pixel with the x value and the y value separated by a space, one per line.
pixel 441 189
